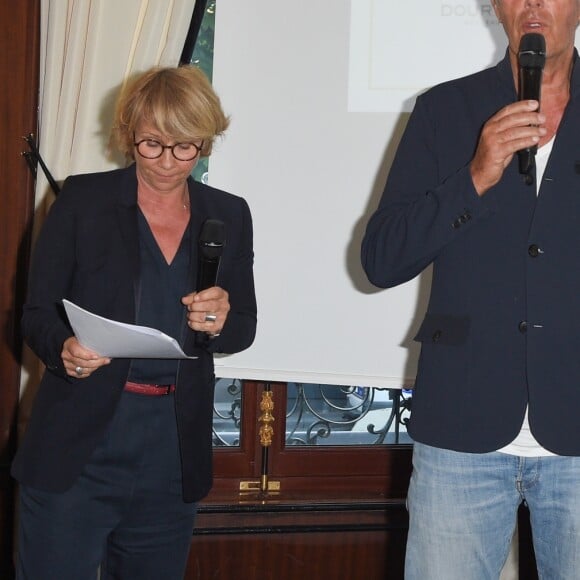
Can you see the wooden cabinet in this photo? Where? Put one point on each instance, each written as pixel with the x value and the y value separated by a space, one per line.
pixel 290 538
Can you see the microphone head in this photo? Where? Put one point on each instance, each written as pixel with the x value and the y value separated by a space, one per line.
pixel 532 51
pixel 212 239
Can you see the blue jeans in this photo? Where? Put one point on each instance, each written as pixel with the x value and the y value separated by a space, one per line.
pixel 462 513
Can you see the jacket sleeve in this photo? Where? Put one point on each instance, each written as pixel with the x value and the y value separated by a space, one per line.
pixel 240 328
pixel 44 323
pixel 422 209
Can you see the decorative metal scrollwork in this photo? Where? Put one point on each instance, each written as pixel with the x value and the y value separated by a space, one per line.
pixel 318 415
pixel 331 415
pixel 227 413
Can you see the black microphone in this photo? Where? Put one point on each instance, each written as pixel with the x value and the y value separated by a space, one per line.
pixel 212 240
pixel 531 60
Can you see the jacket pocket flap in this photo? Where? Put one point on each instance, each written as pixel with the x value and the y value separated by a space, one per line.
pixel 444 329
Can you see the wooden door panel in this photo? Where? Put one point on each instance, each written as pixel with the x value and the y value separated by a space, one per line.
pixel 19 51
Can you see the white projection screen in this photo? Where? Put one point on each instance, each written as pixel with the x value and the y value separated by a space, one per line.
pixel 319 93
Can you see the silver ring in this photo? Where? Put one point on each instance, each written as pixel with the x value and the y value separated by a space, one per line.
pixel 79 371
pixel 210 317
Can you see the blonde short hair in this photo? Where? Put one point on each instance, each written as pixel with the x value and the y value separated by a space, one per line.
pixel 179 102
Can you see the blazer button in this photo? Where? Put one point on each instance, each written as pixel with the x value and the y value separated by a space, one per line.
pixel 456 224
pixel 523 326
pixel 436 336
pixel 534 251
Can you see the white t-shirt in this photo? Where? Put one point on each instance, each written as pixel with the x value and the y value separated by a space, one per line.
pixel 525 443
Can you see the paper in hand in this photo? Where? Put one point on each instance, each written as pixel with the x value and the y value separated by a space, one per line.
pixel 118 339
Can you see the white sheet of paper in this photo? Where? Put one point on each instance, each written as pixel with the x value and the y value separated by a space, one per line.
pixel 118 339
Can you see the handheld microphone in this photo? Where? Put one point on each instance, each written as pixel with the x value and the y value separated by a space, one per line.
pixel 212 240
pixel 531 60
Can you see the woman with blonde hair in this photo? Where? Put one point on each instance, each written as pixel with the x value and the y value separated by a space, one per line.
pixel 118 451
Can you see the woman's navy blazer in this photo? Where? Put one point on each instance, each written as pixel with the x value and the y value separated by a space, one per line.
pixel 88 252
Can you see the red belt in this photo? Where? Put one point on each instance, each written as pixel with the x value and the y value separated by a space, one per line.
pixel 150 390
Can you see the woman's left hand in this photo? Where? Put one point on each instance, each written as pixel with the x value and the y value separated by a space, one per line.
pixel 207 310
pixel 80 362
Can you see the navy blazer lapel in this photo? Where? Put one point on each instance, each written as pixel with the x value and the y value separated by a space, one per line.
pixel 199 213
pixel 127 218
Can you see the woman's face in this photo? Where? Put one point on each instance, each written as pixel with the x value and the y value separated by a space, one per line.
pixel 556 20
pixel 165 173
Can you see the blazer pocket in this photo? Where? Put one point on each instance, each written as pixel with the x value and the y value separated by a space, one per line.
pixel 444 329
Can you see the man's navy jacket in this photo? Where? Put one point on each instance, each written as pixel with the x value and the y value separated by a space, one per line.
pixel 502 329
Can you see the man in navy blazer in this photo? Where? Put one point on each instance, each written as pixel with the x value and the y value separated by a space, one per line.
pixel 497 393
